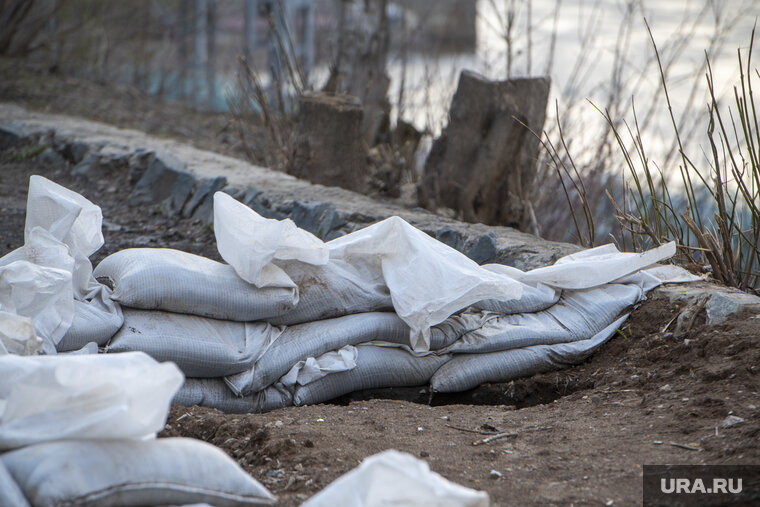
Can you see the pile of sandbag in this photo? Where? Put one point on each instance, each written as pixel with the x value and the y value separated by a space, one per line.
pixel 79 429
pixel 292 320
pixel 295 321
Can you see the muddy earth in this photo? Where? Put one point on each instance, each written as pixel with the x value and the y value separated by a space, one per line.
pixel 580 436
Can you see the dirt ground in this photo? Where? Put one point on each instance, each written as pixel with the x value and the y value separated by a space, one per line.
pixel 574 437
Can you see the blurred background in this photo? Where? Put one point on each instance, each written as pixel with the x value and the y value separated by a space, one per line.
pixel 609 119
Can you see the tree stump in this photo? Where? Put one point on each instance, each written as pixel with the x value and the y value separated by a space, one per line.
pixel 484 163
pixel 329 147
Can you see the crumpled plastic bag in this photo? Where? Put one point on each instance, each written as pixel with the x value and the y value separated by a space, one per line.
pixel 250 242
pixel 395 478
pixel 45 398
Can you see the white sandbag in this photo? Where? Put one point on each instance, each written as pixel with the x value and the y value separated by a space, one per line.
pixel 300 342
pixel 69 218
pixel 250 242
pixel 467 371
pixel 428 280
pixel 201 347
pixel 10 493
pixel 533 299
pixel 333 290
pixel 167 471
pixel 577 316
pixel 180 282
pixel 90 348
pixel 44 398
pixel 41 293
pixel 96 319
pixel 17 335
pixel 395 478
pixel 213 393
pixel 375 367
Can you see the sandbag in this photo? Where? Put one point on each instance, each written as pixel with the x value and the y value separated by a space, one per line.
pixel 167 471
pixel 43 294
pixel 533 299
pixel 375 367
pixel 395 478
pixel 313 339
pixel 180 282
pixel 70 219
pixel 96 320
pixel 44 398
pixel 214 393
pixel 333 290
pixel 467 371
pixel 578 315
pixel 201 347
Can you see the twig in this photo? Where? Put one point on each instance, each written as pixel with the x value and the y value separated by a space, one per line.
pixel 494 437
pixel 684 446
pixel 479 432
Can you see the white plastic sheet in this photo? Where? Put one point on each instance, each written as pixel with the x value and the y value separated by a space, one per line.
pixel 590 268
pixel 45 398
pixel 428 280
pixel 395 478
pixel 249 242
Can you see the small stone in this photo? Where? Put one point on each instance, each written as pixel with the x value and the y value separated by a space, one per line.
pixel 274 473
pixel 495 474
pixel 445 418
pixel 424 454
pixel 657 442
pixel 320 420
pixel 483 249
pixel 450 237
pixel 731 420
pixel 420 429
pixel 666 388
pixel 9 137
pixel 51 157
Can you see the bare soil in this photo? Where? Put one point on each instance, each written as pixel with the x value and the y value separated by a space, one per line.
pixel 579 436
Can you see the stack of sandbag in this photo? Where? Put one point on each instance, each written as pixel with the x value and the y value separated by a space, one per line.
pixel 49 281
pixel 80 430
pixel 499 323
pixel 289 319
